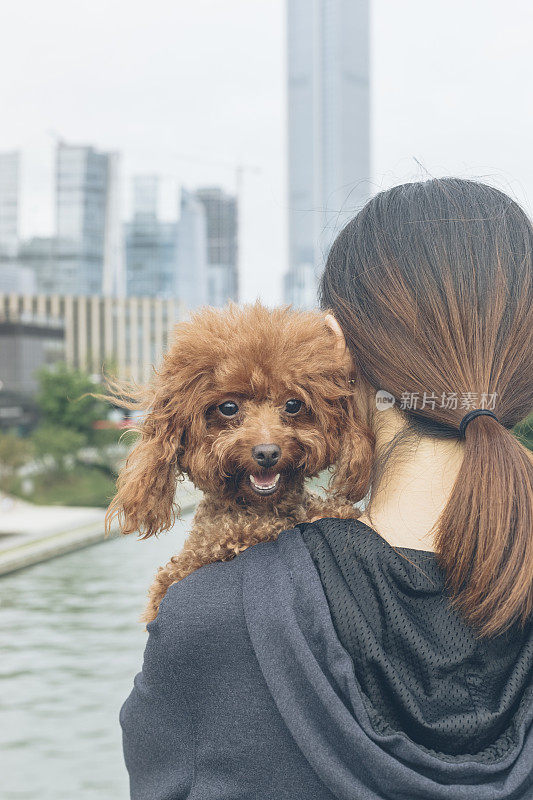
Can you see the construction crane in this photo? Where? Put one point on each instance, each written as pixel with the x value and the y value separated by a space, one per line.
pixel 237 166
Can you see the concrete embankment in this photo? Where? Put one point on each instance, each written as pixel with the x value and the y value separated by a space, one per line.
pixel 30 534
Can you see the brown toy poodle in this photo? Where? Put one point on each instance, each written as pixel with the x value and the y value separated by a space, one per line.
pixel 247 403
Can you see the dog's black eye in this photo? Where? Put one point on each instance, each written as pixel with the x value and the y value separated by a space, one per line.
pixel 229 408
pixel 293 406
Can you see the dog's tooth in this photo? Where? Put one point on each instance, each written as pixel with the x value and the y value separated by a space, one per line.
pixel 262 486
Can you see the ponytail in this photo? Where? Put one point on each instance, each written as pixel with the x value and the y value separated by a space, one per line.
pixel 484 537
pixel 432 285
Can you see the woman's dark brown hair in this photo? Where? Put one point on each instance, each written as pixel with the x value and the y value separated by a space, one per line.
pixel 432 285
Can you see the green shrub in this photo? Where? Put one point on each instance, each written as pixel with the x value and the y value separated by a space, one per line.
pixel 15 452
pixel 57 442
pixel 524 432
pixel 64 401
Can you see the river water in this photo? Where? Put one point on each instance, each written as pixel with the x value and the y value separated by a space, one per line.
pixel 70 646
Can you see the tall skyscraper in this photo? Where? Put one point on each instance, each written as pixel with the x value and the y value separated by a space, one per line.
pixel 328 136
pixel 88 225
pixel 9 204
pixel 39 255
pixel 150 244
pixel 146 191
pixel 114 268
pixel 191 281
pixel 222 267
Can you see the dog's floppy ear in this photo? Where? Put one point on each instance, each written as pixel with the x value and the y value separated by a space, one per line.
pixel 146 485
pixel 353 466
pixel 171 407
pixel 352 470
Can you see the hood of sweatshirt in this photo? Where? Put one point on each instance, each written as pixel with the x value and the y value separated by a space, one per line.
pixel 386 692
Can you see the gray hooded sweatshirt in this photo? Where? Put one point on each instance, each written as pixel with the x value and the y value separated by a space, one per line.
pixel 324 665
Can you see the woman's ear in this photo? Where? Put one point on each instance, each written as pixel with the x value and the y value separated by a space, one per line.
pixel 146 485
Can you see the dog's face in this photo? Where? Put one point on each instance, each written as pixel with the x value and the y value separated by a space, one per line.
pixel 246 403
pixel 262 444
pixel 256 442
pixel 262 397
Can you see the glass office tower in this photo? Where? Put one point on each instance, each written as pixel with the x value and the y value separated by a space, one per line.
pixel 88 224
pixel 328 131
pixel 222 265
pixel 9 204
pixel 150 244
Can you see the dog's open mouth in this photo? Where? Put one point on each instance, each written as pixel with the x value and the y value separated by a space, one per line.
pixel 265 482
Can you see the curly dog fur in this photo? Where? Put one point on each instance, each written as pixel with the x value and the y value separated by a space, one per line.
pixel 249 361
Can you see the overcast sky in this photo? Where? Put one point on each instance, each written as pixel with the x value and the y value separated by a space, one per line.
pixel 170 79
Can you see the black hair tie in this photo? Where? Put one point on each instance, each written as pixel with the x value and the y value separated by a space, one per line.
pixel 477 412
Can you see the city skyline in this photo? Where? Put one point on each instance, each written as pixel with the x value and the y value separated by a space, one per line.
pixel 92 251
pixel 194 89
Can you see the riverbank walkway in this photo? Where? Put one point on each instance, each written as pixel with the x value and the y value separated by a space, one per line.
pixel 30 534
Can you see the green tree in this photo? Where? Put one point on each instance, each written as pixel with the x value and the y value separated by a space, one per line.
pixel 64 399
pixel 14 453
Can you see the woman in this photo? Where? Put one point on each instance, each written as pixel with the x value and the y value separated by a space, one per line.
pixel 390 657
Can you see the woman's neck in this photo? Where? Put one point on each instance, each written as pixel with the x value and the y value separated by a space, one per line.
pixel 415 486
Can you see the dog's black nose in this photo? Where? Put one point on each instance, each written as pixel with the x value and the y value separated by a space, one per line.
pixel 266 455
